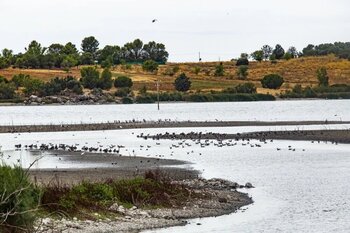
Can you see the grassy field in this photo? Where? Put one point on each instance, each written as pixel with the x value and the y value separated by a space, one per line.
pixel 296 71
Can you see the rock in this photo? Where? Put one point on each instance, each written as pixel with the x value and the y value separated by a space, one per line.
pixel 121 209
pixel 75 219
pixel 114 207
pixel 127 217
pixel 133 208
pixel 222 200
pixel 248 185
pixel 46 221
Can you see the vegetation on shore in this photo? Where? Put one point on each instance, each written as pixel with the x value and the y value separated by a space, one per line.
pixel 23 202
pixel 276 72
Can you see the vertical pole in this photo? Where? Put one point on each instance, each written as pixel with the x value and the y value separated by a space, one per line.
pixel 158 92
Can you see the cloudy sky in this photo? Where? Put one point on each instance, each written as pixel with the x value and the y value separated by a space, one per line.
pixel 219 29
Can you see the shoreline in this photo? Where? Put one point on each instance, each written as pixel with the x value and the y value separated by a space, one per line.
pixel 333 136
pixel 153 124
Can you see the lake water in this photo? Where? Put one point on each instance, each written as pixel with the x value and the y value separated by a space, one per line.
pixel 245 111
pixel 305 190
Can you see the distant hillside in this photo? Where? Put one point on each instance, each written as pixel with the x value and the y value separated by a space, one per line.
pixel 295 71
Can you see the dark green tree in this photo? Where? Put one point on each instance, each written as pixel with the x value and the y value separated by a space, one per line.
pixel 258 55
pixel 272 81
pixel 182 83
pixel 106 81
pixel 242 72
pixel 90 45
pixel 90 77
pixel 278 52
pixel 156 52
pixel 123 81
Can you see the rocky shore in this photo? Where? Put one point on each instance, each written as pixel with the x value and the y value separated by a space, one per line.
pixel 213 197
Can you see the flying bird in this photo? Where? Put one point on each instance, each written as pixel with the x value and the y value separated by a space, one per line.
pixel 155 20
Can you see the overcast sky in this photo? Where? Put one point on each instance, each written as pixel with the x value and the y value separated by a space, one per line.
pixel 217 28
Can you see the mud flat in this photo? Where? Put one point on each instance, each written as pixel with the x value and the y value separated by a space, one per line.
pixel 153 124
pixel 333 136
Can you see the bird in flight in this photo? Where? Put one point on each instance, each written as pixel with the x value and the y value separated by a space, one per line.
pixel 155 20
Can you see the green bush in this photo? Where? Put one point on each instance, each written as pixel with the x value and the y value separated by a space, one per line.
pixel 182 83
pixel 123 92
pixel 7 90
pixel 322 76
pixel 105 81
pixel 219 70
pixel 248 88
pixel 146 99
pixel 272 81
pixel 242 72
pixel 150 66
pixel 90 77
pixel 19 199
pixel 20 79
pixel 123 81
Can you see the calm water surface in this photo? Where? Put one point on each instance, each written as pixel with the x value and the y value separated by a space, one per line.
pixel 251 111
pixel 305 190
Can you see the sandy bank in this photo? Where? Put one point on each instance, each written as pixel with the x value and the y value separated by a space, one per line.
pixel 154 124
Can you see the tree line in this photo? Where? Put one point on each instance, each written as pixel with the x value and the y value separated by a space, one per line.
pixel 340 49
pixel 67 56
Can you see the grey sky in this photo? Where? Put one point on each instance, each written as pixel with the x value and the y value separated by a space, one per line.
pixel 220 28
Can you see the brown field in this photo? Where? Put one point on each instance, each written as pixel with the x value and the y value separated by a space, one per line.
pixel 296 71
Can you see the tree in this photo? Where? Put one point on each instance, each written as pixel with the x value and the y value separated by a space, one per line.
pixel 90 45
pixel 69 62
pixel 182 83
pixel 322 76
pixel 156 51
pixel 123 81
pixel 242 72
pixel 293 51
pixel 110 54
pixel 133 51
pixel 272 81
pixel 287 56
pixel 278 52
pixel 258 55
pixel 90 77
pixel 150 66
pixel 106 81
pixel 219 70
pixel 34 55
pixel 33 87
pixel 267 51
pixel 243 60
pixel 87 59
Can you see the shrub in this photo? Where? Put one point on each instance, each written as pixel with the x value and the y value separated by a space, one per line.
pixel 243 61
pixel 123 81
pixel 18 200
pixel 127 100
pixel 322 76
pixel 242 72
pixel 7 90
pixel 146 99
pixel 123 92
pixel 248 88
pixel 150 66
pixel 105 81
pixel 182 83
pixel 90 77
pixel 3 80
pixel 196 70
pixel 33 87
pixel 272 81
pixel 219 70
pixel 20 79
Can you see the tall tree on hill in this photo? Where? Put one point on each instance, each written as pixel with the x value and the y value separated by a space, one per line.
pixel 258 55
pixel 134 51
pixel 293 51
pixel 90 45
pixel 156 52
pixel 278 52
pixel 267 51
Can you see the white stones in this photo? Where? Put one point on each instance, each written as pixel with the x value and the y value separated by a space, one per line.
pixel 114 207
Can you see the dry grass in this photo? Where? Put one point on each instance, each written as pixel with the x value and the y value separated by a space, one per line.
pixel 296 71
